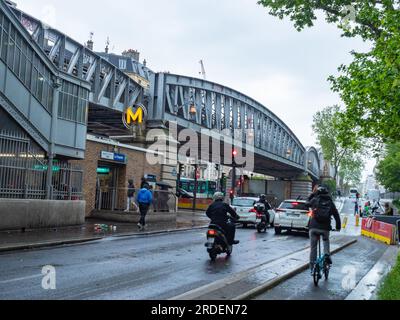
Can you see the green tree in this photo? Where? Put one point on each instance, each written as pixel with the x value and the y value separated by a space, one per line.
pixel 351 170
pixel 370 85
pixel 326 128
pixel 388 172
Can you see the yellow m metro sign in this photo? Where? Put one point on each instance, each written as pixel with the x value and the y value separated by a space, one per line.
pixel 133 115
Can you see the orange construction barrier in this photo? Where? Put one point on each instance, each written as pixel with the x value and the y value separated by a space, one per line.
pixel 383 232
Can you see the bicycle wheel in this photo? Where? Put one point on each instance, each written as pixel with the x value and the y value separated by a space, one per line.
pixel 316 275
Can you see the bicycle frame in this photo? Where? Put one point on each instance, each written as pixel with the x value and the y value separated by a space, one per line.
pixel 320 265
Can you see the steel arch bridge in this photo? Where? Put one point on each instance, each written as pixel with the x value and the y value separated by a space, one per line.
pixel 171 97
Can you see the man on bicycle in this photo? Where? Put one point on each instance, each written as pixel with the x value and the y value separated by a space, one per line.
pixel 323 208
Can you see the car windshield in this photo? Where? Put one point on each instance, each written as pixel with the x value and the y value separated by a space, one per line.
pixel 293 205
pixel 243 202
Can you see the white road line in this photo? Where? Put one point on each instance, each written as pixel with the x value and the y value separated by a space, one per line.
pixel 21 279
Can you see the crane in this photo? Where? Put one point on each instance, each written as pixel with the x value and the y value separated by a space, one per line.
pixel 203 70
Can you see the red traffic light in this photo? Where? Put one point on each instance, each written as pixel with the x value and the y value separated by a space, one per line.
pixel 235 153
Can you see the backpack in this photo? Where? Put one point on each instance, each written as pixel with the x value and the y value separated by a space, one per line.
pixel 322 211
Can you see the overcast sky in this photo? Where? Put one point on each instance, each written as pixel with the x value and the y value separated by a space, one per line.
pixel 241 45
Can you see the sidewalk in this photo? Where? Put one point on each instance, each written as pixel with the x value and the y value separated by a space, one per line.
pixel 30 239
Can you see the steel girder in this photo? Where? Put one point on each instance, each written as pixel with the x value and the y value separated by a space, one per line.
pixel 313 162
pixel 219 108
pixel 111 87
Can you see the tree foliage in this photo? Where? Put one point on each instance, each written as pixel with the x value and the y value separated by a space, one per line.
pixel 388 172
pixel 370 85
pixel 342 158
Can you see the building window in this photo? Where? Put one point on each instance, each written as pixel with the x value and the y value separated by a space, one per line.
pixel 122 64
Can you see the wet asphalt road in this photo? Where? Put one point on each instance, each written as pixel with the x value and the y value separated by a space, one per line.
pixel 356 260
pixel 164 266
pixel 153 267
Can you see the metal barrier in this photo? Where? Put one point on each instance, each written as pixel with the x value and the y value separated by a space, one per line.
pixel 24 169
pixel 116 199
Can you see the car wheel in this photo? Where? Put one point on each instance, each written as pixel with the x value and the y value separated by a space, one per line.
pixel 278 231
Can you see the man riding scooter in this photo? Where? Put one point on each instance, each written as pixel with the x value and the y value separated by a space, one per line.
pixel 219 213
pixel 267 207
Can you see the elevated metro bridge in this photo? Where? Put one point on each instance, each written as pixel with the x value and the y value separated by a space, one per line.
pixel 201 105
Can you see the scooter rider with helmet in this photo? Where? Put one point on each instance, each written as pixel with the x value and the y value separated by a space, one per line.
pixel 267 206
pixel 220 212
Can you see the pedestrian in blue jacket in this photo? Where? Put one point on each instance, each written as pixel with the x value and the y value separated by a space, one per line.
pixel 144 199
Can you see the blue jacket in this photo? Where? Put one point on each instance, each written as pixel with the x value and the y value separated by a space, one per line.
pixel 144 196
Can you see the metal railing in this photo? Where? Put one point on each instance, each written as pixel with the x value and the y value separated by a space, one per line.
pixel 116 199
pixel 24 170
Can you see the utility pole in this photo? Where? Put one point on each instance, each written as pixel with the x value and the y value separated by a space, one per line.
pixel 196 185
pixel 203 70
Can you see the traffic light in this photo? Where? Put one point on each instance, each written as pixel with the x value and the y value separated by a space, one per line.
pixel 234 153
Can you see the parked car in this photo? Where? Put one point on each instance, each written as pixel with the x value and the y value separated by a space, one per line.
pixel 292 215
pixel 244 207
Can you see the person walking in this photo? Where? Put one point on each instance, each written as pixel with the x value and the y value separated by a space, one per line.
pixel 323 208
pixel 144 199
pixel 388 210
pixel 143 182
pixel 130 196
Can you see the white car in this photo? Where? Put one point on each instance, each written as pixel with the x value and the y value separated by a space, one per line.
pixel 244 207
pixel 292 215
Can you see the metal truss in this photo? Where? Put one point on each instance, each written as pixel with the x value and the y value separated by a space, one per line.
pixel 111 87
pixel 218 108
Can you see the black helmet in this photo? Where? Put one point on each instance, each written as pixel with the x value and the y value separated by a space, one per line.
pixel 263 196
pixel 323 190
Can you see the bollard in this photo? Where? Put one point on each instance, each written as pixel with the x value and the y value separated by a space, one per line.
pixel 357 220
pixel 345 221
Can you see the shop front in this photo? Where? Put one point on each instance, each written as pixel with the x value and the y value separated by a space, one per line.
pixel 108 166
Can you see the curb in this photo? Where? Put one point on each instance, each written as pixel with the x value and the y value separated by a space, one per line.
pixel 273 283
pixel 220 284
pixel 84 240
pixel 47 244
pixel 368 286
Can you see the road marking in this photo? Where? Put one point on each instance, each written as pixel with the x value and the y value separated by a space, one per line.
pixel 21 279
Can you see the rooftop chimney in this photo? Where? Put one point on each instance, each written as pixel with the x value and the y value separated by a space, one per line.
pixel 133 54
pixel 90 42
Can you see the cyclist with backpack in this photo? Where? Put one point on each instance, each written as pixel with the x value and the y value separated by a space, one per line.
pixel 323 208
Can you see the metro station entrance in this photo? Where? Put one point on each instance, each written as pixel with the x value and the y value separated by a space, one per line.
pixel 106 186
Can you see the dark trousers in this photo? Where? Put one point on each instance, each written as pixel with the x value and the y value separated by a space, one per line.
pixel 230 231
pixel 144 209
pixel 315 235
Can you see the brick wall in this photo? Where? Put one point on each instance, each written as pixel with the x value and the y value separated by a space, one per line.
pixel 136 167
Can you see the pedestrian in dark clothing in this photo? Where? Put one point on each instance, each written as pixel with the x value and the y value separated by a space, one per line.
pixel 130 195
pixel 143 183
pixel 388 210
pixel 144 198
pixel 323 208
pixel 219 212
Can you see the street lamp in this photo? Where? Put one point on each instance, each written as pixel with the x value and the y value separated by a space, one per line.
pixel 193 110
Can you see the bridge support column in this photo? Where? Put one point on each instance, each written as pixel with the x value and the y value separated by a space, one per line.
pixel 301 187
pixel 168 146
